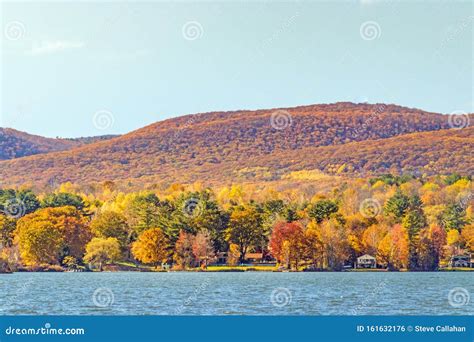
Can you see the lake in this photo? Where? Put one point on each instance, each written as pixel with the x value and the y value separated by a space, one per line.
pixel 249 293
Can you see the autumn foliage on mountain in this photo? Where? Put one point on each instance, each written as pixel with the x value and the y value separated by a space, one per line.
pixel 312 188
pixel 262 145
pixel 16 144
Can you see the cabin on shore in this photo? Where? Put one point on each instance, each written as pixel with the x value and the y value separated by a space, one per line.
pixel 461 261
pixel 250 258
pixel 254 258
pixel 366 261
pixel 221 258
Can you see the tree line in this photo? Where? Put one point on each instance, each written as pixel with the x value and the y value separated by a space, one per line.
pixel 405 222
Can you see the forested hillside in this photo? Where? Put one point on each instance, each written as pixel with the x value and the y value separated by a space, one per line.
pixel 17 144
pixel 263 145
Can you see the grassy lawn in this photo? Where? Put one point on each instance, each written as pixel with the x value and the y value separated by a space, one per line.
pixel 220 268
pixel 240 268
pixel 131 265
pixel 367 270
pixel 260 268
pixel 458 269
pixel 126 263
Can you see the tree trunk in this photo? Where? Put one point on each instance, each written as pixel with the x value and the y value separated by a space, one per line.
pixel 243 251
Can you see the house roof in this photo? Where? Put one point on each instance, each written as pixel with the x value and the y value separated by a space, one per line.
pixel 253 255
pixel 366 256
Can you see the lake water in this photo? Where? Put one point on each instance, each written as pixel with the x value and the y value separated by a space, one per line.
pixel 249 293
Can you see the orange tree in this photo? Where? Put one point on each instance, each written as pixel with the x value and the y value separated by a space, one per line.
pixel 151 247
pixel 287 243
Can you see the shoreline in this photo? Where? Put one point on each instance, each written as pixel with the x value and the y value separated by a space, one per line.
pixel 237 270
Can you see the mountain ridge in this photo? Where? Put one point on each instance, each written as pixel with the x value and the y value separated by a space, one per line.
pixel 201 146
pixel 17 144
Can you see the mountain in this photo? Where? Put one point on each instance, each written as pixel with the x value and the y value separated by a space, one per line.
pixel 16 144
pixel 262 145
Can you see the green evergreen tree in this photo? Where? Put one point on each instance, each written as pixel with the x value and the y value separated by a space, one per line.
pixel 322 210
pixel 413 222
pixel 397 206
pixel 454 217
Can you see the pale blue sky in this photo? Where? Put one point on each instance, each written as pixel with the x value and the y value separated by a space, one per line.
pixel 62 62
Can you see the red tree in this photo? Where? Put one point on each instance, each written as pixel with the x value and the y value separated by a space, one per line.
pixel 287 243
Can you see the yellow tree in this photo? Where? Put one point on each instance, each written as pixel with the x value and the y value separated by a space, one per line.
pixel 7 227
pixel 245 229
pixel 468 236
pixel 313 244
pixel 453 239
pixel 356 226
pixel 111 224
pixel 56 232
pixel 39 242
pixel 336 247
pixel 372 236
pixel 233 255
pixel 100 251
pixel 393 248
pixel 151 247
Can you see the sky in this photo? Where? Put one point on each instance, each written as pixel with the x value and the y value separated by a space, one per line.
pixel 86 68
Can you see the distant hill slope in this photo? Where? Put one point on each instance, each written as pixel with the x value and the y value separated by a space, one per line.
pixel 16 144
pixel 264 144
pixel 89 140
